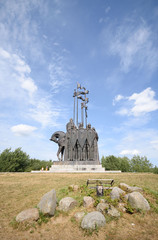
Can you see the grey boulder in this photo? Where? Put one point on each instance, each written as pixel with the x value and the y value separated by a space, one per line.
pixel 47 204
pixel 135 189
pixel 112 211
pixel 79 215
pixel 102 207
pixel 93 219
pixel 67 203
pixel 121 207
pixel 129 189
pixel 88 202
pixel 30 214
pixel 126 196
pixel 116 192
pixel 137 201
pixel 74 187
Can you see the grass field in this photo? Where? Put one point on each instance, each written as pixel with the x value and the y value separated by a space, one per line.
pixel 19 191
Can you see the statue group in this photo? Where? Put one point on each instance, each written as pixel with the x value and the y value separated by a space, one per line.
pixel 79 143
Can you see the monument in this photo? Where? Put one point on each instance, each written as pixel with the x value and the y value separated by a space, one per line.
pixel 78 147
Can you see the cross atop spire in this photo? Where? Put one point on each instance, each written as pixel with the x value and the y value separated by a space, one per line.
pixel 80 94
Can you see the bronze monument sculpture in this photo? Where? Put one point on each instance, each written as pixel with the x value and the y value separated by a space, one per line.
pixel 80 142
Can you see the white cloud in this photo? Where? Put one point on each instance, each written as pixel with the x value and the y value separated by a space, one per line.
pixel 4 54
pixel 28 84
pixel 144 102
pixel 13 70
pixel 131 141
pixel 15 78
pixel 19 29
pixel 107 9
pixel 117 99
pixel 19 65
pixel 123 111
pixel 36 144
pixel 56 44
pixel 154 144
pixel 45 112
pixel 143 140
pixel 23 130
pixel 101 20
pixel 133 43
pixel 59 72
pixel 130 152
pixel 138 103
pixel 44 36
pixel 22 47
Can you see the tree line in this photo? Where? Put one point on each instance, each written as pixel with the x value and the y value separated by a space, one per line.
pixel 19 161
pixel 135 164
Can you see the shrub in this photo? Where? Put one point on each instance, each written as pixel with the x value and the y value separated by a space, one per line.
pixel 16 161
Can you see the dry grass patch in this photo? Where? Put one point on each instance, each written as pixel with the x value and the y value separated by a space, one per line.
pixel 20 191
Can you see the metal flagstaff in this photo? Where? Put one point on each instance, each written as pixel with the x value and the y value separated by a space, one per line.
pixel 74 104
pixel 85 100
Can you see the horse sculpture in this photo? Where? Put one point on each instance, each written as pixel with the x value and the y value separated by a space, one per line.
pixel 59 137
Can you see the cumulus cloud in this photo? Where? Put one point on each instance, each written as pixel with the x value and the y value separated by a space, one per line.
pixel 144 102
pixel 129 152
pixel 138 103
pixel 23 130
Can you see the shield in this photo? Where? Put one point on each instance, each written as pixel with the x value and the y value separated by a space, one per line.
pixel 91 136
pixel 81 137
pixel 73 137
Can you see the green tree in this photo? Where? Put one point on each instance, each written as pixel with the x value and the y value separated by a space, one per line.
pixel 116 163
pixel 110 163
pixel 136 164
pixel 140 164
pixel 124 164
pixel 15 161
pixel 19 161
pixel 155 170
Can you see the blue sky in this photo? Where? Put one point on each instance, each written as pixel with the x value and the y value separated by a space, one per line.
pixel 109 46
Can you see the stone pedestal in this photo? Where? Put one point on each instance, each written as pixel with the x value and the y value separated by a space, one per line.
pixel 76 166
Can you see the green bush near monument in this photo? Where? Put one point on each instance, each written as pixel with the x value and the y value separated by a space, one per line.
pixel 19 161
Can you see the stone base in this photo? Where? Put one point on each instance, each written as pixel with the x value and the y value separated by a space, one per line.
pixel 89 162
pixel 76 168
